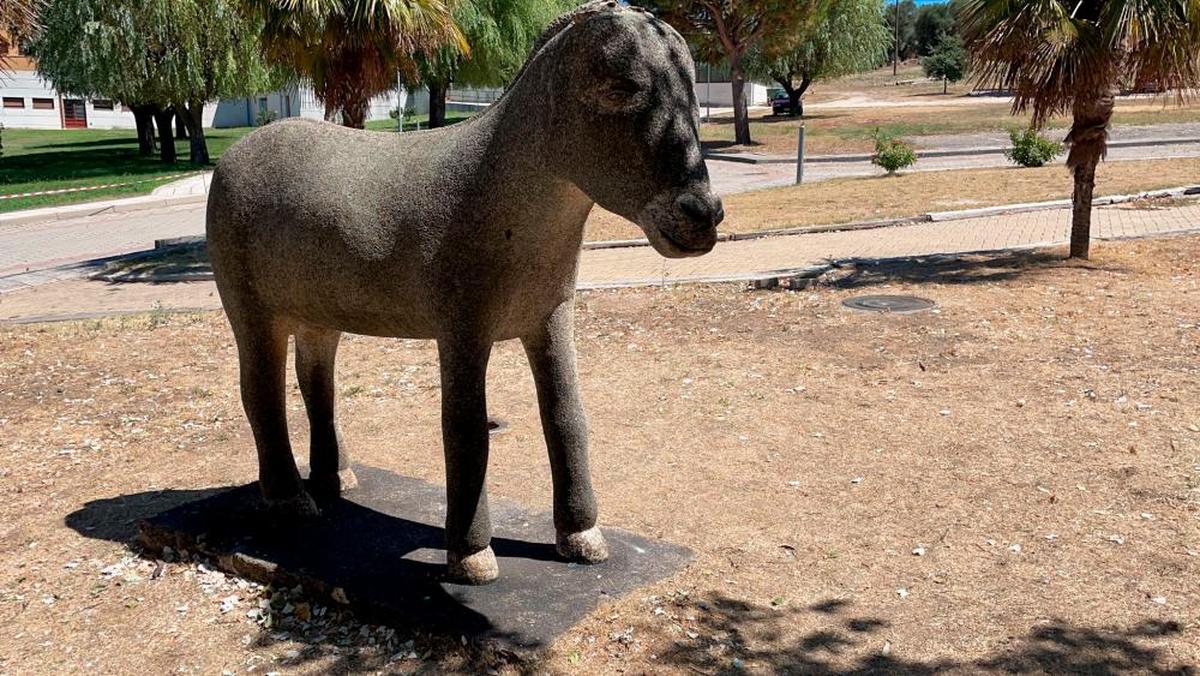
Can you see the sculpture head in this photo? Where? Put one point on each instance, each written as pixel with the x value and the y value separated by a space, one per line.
pixel 624 111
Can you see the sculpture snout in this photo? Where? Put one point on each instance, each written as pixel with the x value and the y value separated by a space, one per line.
pixel 682 224
pixel 705 211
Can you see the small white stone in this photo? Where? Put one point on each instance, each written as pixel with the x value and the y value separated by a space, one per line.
pixel 902 593
pixel 918 551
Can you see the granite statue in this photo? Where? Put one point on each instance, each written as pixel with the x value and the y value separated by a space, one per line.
pixel 467 235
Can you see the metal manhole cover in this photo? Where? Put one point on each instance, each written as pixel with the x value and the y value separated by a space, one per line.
pixel 893 304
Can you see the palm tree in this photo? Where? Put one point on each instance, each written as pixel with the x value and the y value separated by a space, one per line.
pixel 1060 56
pixel 351 50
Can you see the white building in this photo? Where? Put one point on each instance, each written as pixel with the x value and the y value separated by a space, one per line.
pixel 27 101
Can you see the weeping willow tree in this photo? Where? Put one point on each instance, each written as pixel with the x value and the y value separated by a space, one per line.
pixel 352 50
pixel 1071 56
pixel 499 35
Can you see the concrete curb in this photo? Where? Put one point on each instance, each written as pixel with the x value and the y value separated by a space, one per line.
pixel 750 158
pixel 119 206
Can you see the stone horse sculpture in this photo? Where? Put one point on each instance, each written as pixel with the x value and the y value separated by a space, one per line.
pixel 467 235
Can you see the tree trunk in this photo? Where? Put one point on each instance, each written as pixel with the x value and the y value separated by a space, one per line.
pixel 437 104
pixel 143 118
pixel 741 117
pixel 163 117
pixel 945 86
pixel 798 104
pixel 1081 213
pixel 180 124
pixel 197 144
pixel 1088 140
pixel 354 113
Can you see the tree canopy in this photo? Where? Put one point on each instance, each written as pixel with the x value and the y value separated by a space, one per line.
pixel 162 53
pixel 352 50
pixel 726 30
pixel 933 22
pixel 948 62
pixel 498 34
pixel 846 37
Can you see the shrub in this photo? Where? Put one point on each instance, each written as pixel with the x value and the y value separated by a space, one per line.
pixel 892 154
pixel 265 116
pixel 1031 149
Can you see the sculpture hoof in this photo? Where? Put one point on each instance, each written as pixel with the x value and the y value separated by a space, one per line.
pixel 298 506
pixel 332 485
pixel 477 568
pixel 586 546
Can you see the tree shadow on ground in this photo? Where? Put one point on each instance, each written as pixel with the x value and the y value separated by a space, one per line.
pixel 951 269
pixel 186 262
pixel 736 636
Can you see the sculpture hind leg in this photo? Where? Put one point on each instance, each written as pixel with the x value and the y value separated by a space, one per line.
pixel 262 355
pixel 463 363
pixel 551 354
pixel 316 352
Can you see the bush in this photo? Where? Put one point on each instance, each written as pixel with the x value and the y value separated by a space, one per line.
pixel 892 154
pixel 265 116
pixel 1031 149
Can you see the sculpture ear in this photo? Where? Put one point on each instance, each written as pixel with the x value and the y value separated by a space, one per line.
pixel 616 94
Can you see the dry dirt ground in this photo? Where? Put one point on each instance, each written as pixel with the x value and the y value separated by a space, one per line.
pixel 1008 484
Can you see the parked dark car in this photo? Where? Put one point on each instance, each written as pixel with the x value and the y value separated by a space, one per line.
pixel 779 103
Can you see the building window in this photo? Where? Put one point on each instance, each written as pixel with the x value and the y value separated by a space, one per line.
pixel 102 104
pixel 14 102
pixel 43 104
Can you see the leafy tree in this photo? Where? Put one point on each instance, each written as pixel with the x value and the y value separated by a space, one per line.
pixel 846 37
pixel 949 61
pixel 1060 56
pixel 933 22
pixel 352 50
pixel 157 56
pixel 18 18
pixel 729 29
pixel 907 10
pixel 499 34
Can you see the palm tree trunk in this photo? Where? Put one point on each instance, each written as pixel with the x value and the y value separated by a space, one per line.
pixel 1081 213
pixel 1089 143
pixel 354 113
pixel 437 104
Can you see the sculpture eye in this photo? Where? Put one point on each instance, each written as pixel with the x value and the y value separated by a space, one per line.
pixel 619 93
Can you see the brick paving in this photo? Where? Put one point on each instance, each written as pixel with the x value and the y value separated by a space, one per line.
pixel 1030 229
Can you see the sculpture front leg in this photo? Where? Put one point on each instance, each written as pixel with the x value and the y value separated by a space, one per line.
pixel 469 557
pixel 551 353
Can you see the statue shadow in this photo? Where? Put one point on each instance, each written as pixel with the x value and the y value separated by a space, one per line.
pixel 380 553
pixel 951 269
pixel 752 636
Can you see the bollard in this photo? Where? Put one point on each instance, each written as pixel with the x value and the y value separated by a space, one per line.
pixel 800 157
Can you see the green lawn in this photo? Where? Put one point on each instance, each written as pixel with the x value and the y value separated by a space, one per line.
pixel 49 159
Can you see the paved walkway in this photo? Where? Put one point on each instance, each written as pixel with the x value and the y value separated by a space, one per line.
pixel 642 266
pixel 1011 231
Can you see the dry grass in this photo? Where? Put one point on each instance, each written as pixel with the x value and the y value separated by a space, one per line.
pixel 857 199
pixel 1038 437
pixel 850 130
